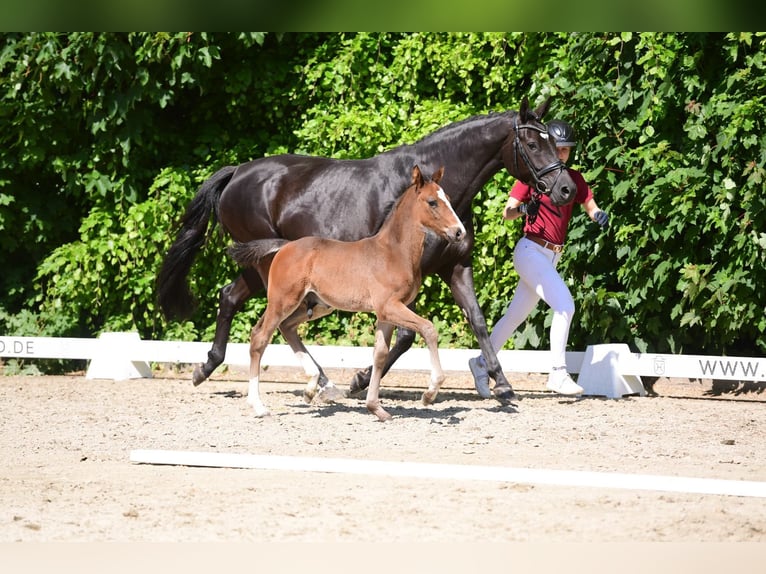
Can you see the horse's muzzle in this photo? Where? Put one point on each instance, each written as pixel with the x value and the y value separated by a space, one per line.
pixel 563 190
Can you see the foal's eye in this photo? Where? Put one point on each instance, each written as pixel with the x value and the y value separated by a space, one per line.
pixel 433 203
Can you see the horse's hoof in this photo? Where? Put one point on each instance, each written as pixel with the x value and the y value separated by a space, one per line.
pixel 428 398
pixel 198 376
pixel 359 383
pixel 505 395
pixel 330 394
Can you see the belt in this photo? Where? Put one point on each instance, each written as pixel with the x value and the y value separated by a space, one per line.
pixel 547 244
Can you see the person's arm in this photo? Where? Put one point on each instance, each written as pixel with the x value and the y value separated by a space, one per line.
pixel 511 209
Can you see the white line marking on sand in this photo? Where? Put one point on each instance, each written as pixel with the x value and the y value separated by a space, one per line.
pixel 455 472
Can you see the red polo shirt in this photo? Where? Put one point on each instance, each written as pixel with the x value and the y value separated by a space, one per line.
pixel 552 221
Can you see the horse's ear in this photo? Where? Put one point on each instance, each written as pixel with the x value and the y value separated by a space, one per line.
pixel 542 109
pixel 524 110
pixel 437 176
pixel 417 177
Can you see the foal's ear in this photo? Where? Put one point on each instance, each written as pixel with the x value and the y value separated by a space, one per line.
pixel 417 177
pixel 438 174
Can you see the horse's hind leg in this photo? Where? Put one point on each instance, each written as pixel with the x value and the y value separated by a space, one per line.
pixel 232 297
pixel 318 381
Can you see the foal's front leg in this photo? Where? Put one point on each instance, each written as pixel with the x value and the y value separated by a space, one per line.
pixel 403 316
pixel 383 333
pixel 429 334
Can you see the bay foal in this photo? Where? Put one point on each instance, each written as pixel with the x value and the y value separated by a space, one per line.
pixel 380 274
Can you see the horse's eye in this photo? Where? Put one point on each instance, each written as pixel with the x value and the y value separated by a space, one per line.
pixel 433 203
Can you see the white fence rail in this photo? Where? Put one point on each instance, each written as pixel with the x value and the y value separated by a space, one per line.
pixel 128 347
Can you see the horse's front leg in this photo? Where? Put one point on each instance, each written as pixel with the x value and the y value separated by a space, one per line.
pixel 460 281
pixel 383 333
pixel 232 297
pixel 318 385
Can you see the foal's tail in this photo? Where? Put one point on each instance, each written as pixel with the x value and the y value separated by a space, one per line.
pixel 250 253
pixel 175 298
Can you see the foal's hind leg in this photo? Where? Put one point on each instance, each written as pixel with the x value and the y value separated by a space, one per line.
pixel 327 391
pixel 260 337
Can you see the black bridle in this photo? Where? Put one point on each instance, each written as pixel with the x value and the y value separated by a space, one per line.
pixel 539 185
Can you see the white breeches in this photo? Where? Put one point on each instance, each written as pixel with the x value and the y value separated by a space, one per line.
pixel 538 279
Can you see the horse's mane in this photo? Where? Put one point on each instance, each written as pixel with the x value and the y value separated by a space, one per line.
pixel 451 128
pixel 472 119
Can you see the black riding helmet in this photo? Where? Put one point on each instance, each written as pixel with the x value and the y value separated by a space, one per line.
pixel 562 132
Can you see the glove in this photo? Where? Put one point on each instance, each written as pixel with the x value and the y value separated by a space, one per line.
pixel 602 218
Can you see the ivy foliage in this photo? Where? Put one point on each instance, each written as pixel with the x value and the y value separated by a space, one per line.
pixel 107 136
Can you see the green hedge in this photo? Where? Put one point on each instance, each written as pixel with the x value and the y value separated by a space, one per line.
pixel 107 137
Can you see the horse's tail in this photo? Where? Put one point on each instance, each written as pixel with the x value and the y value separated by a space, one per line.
pixel 250 253
pixel 175 298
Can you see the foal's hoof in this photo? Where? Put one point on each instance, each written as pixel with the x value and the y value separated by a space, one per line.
pixel 198 376
pixel 382 415
pixel 329 394
pixel 359 383
pixel 260 411
pixel 504 394
pixel 428 398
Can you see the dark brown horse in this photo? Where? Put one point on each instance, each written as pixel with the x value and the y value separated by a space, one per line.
pixel 380 274
pixel 293 196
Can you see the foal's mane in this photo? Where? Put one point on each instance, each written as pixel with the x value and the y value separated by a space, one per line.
pixel 391 205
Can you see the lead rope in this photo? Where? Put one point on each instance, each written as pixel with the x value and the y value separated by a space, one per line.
pixel 534 205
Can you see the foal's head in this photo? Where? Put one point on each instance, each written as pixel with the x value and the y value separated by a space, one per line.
pixel 433 209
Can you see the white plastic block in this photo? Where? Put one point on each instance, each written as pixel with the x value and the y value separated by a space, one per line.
pixel 113 359
pixel 607 371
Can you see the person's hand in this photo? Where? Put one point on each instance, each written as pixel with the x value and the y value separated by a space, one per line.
pixel 602 218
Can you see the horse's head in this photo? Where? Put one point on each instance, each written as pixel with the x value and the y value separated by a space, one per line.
pixel 529 154
pixel 434 209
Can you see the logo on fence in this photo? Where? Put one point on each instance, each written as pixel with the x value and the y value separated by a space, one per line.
pixel 659 366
